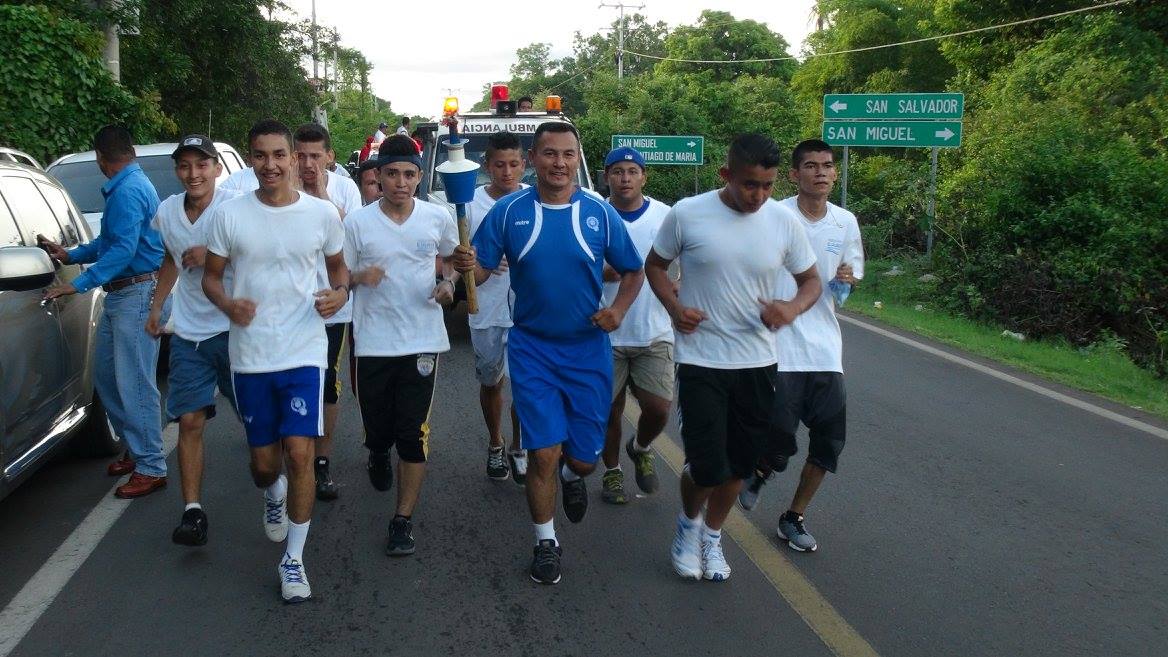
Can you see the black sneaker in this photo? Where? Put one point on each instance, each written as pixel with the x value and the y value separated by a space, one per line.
pixel 545 564
pixel 401 538
pixel 326 489
pixel 575 497
pixel 380 474
pixel 643 462
pixel 496 464
pixel 192 529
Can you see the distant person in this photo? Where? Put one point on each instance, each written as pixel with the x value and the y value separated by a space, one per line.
pixel 526 104
pixel 416 135
pixel 404 128
pixel 199 362
pixel 273 240
pixel 732 243
pixel 810 349
pixel 367 182
pixel 379 135
pixel 364 154
pixel 126 255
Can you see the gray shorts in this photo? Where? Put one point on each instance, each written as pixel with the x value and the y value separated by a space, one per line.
pixel 490 348
pixel 648 368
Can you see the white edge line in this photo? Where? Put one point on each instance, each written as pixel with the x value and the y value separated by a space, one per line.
pixel 1002 376
pixel 39 592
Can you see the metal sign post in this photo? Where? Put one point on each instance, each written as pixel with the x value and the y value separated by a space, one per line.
pixel 931 211
pixel 844 182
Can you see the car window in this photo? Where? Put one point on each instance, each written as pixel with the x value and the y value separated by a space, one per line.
pixel 32 212
pixel 232 162
pixel 84 180
pixel 9 236
pixel 63 212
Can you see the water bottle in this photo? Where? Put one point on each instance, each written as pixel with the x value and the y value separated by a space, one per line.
pixel 839 291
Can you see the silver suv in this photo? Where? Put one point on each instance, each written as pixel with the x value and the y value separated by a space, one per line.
pixel 46 356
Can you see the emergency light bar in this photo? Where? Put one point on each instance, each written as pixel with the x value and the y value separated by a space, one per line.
pixel 499 92
pixel 553 105
pixel 450 107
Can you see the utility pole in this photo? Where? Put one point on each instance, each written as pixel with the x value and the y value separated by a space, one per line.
pixel 620 30
pixel 319 114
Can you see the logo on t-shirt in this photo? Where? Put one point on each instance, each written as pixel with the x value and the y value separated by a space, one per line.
pixel 593 223
pixel 835 246
pixel 299 405
pixel 523 222
pixel 425 246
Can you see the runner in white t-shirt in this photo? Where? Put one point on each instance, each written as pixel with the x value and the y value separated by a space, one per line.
pixel 505 164
pixel 273 240
pixel 314 154
pixel 642 348
pixel 732 243
pixel 198 349
pixel 810 350
pixel 398 327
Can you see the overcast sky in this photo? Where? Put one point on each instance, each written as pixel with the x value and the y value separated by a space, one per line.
pixel 414 65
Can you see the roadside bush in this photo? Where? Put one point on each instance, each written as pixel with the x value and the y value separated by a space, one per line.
pixel 889 196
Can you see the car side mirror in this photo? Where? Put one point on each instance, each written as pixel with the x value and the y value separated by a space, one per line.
pixel 25 268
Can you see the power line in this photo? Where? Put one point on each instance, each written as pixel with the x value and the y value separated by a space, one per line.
pixel 886 45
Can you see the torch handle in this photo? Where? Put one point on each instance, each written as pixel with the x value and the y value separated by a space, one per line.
pixel 472 297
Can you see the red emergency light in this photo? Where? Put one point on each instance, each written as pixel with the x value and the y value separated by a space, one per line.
pixel 499 92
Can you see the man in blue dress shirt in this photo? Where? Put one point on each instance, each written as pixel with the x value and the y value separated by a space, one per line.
pixel 125 256
pixel 556 238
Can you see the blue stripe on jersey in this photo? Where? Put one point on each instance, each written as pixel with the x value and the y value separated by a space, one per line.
pixel 556 256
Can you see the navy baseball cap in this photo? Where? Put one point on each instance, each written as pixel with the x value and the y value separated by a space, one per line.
pixel 624 154
pixel 200 143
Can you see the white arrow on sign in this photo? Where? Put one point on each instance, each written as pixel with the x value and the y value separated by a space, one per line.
pixel 944 134
pixel 837 106
pixel 691 144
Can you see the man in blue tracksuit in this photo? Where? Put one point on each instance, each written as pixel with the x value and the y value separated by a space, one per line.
pixel 556 238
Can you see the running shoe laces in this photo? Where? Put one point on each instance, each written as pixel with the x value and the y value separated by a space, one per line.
pixel 293 571
pixel 273 511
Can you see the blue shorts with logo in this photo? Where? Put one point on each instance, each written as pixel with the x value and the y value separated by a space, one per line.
pixel 195 370
pixel 275 405
pixel 562 391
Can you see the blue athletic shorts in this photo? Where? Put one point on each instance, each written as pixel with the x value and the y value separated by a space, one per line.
pixel 196 369
pixel 275 405
pixel 562 391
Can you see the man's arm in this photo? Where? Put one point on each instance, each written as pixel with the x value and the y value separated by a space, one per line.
pixel 121 227
pixel 778 313
pixel 83 254
pixel 685 320
pixel 609 319
pixel 328 302
pixel 167 275
pixel 239 311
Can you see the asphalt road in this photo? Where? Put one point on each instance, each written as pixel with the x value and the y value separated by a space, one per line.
pixel 970 516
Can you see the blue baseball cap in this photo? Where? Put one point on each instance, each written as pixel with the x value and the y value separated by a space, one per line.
pixel 624 154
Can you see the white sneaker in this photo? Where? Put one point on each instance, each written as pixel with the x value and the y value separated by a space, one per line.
pixel 293 580
pixel 276 519
pixel 518 459
pixel 686 552
pixel 714 566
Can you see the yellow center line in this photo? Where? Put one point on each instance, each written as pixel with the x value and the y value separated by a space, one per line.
pixel 823 619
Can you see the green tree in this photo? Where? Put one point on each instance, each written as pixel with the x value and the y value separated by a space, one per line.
pixel 718 36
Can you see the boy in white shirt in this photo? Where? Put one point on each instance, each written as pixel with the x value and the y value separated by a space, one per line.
pixel 273 240
pixel 810 350
pixel 198 349
pixel 642 348
pixel 398 327
pixel 505 164
pixel 732 243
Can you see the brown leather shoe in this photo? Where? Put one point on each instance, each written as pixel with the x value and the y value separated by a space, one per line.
pixel 121 467
pixel 139 485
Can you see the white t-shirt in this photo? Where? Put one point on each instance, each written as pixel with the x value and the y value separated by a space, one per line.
pixel 647 320
pixel 402 130
pixel 398 317
pixel 244 180
pixel 812 343
pixel 495 294
pixel 729 260
pixel 195 317
pixel 378 136
pixel 275 253
pixel 343 193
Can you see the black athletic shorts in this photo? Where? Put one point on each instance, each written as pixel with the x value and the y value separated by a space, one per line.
pixel 725 419
pixel 395 394
pixel 818 400
pixel 336 343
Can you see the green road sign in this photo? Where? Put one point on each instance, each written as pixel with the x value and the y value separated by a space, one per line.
pixel 893 134
pixel 665 149
pixel 893 106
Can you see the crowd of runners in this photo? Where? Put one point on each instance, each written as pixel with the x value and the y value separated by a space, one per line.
pixel 725 301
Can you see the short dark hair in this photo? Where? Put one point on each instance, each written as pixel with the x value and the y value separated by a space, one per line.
pixel 809 146
pixel 114 142
pixel 398 145
pixel 269 127
pixel 556 127
pixel 367 165
pixel 405 120
pixel 313 133
pixel 502 141
pixel 753 149
pixel 523 98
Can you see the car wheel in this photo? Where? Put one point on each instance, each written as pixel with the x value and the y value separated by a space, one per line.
pixel 97 437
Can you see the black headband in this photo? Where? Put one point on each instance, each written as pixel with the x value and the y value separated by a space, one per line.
pixel 383 160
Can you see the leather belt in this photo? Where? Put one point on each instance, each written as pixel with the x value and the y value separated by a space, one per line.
pixel 114 286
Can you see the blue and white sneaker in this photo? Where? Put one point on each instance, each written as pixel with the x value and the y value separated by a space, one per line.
pixel 293 580
pixel 686 551
pixel 276 519
pixel 792 530
pixel 714 566
pixel 751 490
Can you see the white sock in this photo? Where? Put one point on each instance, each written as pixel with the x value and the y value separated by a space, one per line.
pixel 545 531
pixel 616 467
pixel 192 505
pixel 637 446
pixel 567 473
pixel 278 490
pixel 297 534
pixel 710 535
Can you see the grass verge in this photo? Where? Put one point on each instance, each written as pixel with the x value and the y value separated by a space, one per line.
pixel 908 303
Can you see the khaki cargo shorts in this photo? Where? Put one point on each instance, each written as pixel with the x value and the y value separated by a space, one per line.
pixel 648 368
